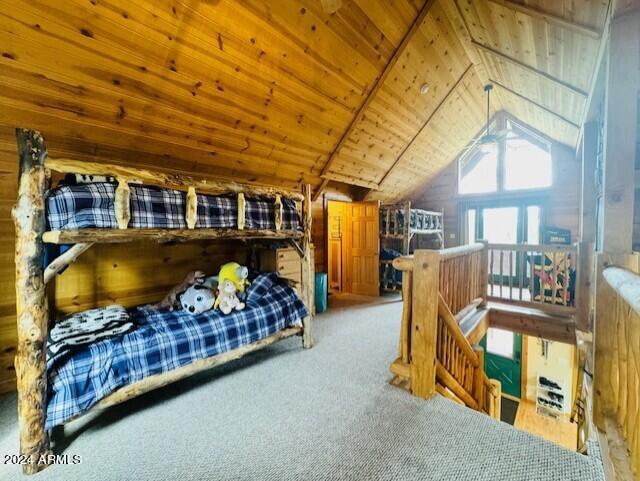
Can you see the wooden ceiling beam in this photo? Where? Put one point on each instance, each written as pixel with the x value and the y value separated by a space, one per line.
pixel 534 103
pixel 417 23
pixel 550 18
pixel 426 123
pixel 515 61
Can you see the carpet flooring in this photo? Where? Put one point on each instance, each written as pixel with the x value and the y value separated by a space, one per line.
pixel 286 413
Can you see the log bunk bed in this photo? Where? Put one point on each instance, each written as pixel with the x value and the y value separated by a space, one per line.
pixel 32 236
pixel 396 235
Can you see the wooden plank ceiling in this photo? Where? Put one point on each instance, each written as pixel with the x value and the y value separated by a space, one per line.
pixel 266 91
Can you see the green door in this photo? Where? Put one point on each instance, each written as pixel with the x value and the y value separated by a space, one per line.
pixel 503 359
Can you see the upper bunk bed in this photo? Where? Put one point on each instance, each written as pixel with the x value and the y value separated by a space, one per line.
pixel 399 223
pixel 125 204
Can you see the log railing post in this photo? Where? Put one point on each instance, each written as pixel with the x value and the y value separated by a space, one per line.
pixel 424 322
pixel 31 300
pixel 308 277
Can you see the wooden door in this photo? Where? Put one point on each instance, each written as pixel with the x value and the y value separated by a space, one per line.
pixel 364 247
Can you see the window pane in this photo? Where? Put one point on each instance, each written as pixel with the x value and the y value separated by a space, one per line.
pixel 533 224
pixel 500 225
pixel 471 225
pixel 500 342
pixel 527 165
pixel 479 171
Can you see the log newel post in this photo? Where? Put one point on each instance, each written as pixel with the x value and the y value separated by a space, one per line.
pixel 424 322
pixel 31 299
pixel 307 269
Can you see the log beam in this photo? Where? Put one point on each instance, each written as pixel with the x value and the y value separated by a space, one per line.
pixel 31 300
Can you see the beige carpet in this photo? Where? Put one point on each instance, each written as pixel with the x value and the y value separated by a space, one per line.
pixel 290 414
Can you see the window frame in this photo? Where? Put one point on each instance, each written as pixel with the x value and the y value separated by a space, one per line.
pixel 500 123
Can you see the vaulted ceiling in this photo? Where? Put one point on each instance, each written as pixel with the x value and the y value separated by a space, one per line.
pixel 283 92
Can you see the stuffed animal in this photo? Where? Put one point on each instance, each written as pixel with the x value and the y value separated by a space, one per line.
pixel 227 297
pixel 235 273
pixel 197 299
pixel 171 300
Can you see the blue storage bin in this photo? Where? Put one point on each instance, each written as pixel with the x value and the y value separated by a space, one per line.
pixel 322 291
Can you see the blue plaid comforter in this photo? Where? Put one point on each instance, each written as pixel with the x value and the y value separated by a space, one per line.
pixel 85 206
pixel 164 341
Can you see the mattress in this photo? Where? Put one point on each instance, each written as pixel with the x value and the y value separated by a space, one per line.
pixel 91 205
pixel 165 340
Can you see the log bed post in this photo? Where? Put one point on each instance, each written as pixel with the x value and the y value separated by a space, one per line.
pixel 31 299
pixel 307 269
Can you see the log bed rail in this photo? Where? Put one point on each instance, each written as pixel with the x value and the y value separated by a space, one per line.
pixel 31 277
pixel 434 354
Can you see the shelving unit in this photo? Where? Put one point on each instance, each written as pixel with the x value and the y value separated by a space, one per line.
pixel 550 400
pixel 396 233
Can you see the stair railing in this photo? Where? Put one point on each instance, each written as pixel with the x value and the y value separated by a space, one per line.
pixel 434 354
pixel 616 377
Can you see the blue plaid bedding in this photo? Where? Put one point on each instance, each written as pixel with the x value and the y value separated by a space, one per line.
pixel 164 341
pixel 85 206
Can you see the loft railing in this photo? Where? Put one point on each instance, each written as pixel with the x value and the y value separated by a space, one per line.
pixel 616 380
pixel 434 354
pixel 547 277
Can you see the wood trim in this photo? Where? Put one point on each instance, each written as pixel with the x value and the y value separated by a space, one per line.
pixel 415 26
pixel 113 236
pixel 425 124
pixel 515 61
pixel 534 103
pixel 550 18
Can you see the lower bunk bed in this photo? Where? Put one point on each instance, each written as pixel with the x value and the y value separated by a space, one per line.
pixel 113 369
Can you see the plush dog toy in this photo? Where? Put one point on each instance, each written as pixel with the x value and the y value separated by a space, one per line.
pixel 197 299
pixel 171 300
pixel 227 297
pixel 237 274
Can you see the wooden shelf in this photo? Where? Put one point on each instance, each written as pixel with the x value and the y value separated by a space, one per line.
pixel 112 236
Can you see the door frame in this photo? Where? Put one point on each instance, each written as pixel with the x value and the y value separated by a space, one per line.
pixel 327 198
pixel 518 353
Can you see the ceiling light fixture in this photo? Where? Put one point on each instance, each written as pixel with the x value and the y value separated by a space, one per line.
pixel 424 88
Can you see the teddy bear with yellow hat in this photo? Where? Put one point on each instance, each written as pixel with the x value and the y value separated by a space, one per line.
pixel 232 281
